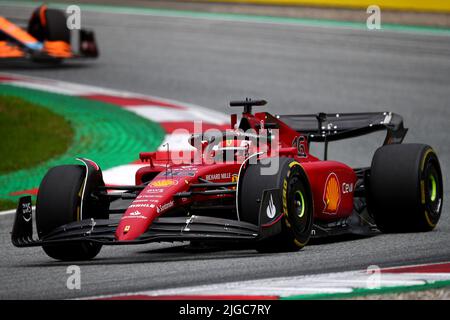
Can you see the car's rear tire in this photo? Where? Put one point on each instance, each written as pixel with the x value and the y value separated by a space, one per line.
pixel 296 198
pixel 405 189
pixel 58 203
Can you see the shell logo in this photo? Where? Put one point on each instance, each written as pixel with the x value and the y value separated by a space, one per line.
pixel 331 194
pixel 164 183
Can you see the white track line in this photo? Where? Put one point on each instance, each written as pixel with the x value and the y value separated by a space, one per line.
pixel 12 211
pixel 327 283
pixel 4 213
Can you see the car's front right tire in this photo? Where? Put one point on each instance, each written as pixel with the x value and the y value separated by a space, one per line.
pixel 296 197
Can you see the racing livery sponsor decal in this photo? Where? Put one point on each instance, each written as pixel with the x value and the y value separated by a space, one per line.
pixel 142 205
pixel 154 191
pixel 299 143
pixel 134 215
pixel 347 188
pixel 271 209
pixel 26 211
pixel 165 206
pixel 188 168
pixel 145 200
pixel 218 176
pixel 163 183
pixel 332 194
pixel 234 178
pixel 182 173
pixel 149 196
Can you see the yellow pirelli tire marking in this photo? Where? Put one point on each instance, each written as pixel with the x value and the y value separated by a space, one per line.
pixel 285 184
pixel 284 200
pixel 422 182
pixel 422 165
pixel 299 244
pixel 422 191
pixel 427 217
pixel 294 163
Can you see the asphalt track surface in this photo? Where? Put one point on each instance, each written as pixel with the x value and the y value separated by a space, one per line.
pixel 297 69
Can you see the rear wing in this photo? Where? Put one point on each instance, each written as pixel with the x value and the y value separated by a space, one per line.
pixel 325 127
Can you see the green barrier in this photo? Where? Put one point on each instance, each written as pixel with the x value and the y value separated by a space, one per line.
pixel 105 133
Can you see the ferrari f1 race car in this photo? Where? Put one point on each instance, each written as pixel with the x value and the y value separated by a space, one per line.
pixel 255 184
pixel 47 39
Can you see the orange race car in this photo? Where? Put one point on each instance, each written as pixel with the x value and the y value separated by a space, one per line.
pixel 47 38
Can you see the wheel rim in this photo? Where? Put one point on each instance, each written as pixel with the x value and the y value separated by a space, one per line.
pixel 299 203
pixel 432 187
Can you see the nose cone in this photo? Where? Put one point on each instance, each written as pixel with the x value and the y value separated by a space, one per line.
pixel 139 216
pixel 135 222
pixel 127 230
pixel 154 200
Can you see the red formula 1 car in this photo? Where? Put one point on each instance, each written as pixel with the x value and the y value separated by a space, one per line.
pixel 256 183
pixel 47 39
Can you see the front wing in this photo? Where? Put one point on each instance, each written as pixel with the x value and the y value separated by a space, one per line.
pixel 168 229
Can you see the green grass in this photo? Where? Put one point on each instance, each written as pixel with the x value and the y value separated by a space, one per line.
pixel 30 134
pixel 7 204
pixel 110 135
